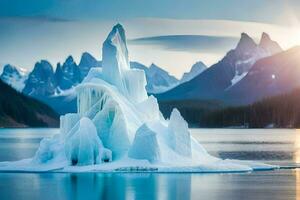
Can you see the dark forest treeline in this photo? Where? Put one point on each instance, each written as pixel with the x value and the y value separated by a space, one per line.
pixel 191 110
pixel 281 111
pixel 18 110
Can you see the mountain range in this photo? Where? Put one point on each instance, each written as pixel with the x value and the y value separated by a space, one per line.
pixel 270 76
pixel 246 74
pixel 234 78
pixel 56 87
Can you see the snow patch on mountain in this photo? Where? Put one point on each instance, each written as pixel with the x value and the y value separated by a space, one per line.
pixel 249 52
pixel 14 76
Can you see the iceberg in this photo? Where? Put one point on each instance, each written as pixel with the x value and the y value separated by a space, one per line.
pixel 84 146
pixel 179 137
pixel 119 128
pixel 146 140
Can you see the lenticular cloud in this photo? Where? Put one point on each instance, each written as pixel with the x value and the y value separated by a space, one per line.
pixel 118 127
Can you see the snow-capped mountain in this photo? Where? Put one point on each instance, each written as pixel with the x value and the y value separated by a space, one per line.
pixel 67 75
pixel 87 61
pixel 229 71
pixel 196 69
pixel 50 87
pixel 269 76
pixel 57 88
pixel 41 81
pixel 161 80
pixel 13 76
pixel 249 52
pixel 269 45
pixel 158 80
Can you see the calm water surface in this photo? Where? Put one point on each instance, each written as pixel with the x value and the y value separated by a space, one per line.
pixel 272 146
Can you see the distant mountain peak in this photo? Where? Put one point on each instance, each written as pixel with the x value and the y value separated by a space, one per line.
pixel 265 38
pixel 196 69
pixel 14 76
pixel 43 61
pixel 245 43
pixel 268 44
pixel 155 70
pixel 70 59
pixel 40 82
pixel 8 68
pixel 87 59
pixel 43 65
pixel 58 69
pixel 86 55
pixel 198 64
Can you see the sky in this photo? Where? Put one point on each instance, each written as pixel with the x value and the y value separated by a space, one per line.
pixel 173 34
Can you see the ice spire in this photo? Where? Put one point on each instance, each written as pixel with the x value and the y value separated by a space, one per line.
pixel 115 57
pixel 116 68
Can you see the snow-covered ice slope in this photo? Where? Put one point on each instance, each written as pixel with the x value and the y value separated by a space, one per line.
pixel 118 128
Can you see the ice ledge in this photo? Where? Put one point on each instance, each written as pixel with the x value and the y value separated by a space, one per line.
pixel 142 166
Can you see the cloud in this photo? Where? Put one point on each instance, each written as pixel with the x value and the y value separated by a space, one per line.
pixel 266 11
pixel 189 43
pixel 38 18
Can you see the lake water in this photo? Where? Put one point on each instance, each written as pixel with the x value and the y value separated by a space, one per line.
pixel 276 146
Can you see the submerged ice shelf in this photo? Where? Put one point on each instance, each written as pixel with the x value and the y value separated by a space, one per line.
pixel 118 128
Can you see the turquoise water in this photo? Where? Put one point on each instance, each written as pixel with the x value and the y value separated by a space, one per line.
pixel 272 146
